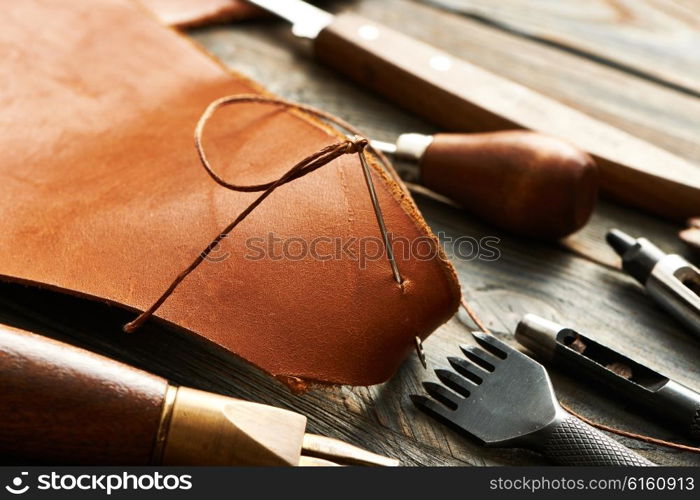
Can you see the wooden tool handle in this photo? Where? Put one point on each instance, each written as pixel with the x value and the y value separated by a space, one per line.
pixel 463 97
pixel 525 182
pixel 62 404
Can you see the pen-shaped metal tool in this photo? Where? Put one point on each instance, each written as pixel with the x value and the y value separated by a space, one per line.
pixel 668 400
pixel 670 279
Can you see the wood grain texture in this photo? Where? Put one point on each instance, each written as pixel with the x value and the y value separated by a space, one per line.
pixel 542 278
pixel 657 39
pixel 460 95
pixel 662 116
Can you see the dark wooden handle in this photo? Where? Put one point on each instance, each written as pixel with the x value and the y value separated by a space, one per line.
pixel 524 182
pixel 462 97
pixel 61 404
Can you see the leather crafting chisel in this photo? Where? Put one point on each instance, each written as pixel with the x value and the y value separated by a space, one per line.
pixel 63 405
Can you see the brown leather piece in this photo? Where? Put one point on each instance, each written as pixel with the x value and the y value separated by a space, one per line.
pixel 103 196
pixel 189 13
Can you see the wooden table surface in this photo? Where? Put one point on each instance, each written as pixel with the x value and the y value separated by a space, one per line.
pixel 632 63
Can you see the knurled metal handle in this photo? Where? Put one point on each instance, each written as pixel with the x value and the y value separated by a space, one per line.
pixel 573 442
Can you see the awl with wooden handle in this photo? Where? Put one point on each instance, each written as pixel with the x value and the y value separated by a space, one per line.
pixel 62 404
pixel 458 95
pixel 527 183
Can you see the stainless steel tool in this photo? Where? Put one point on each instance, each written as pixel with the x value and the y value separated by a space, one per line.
pixel 629 379
pixel 409 147
pixel 501 397
pixel 671 280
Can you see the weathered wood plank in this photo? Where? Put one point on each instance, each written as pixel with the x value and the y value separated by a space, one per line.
pixel 656 39
pixel 661 116
pixel 654 113
pixel 382 417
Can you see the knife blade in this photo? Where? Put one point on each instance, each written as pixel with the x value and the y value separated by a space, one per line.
pixel 458 95
pixel 307 20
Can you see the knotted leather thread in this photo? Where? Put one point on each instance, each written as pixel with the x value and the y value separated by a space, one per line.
pixel 313 162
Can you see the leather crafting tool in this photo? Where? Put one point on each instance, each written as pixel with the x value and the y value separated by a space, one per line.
pixel 666 399
pixel 62 404
pixel 672 281
pixel 458 95
pixel 501 397
pixel 521 181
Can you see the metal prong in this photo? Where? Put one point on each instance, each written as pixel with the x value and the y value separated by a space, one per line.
pixel 456 382
pixel 384 147
pixel 480 357
pixel 469 370
pixel 491 344
pixel 442 394
pixel 344 453
pixel 421 353
pixel 380 217
pixel 431 407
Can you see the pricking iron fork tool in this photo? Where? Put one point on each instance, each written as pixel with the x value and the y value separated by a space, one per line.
pixel 501 397
pixel 671 280
pixel 667 399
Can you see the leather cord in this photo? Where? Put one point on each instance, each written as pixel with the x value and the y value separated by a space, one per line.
pixel 320 158
pixel 638 437
pixel 620 432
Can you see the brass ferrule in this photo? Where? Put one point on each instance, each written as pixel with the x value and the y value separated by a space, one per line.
pixel 202 428
pixel 164 425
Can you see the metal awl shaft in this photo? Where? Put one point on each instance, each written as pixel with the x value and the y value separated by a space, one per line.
pixel 307 21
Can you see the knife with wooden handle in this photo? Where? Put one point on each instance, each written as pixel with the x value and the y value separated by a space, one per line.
pixel 62 404
pixel 458 95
